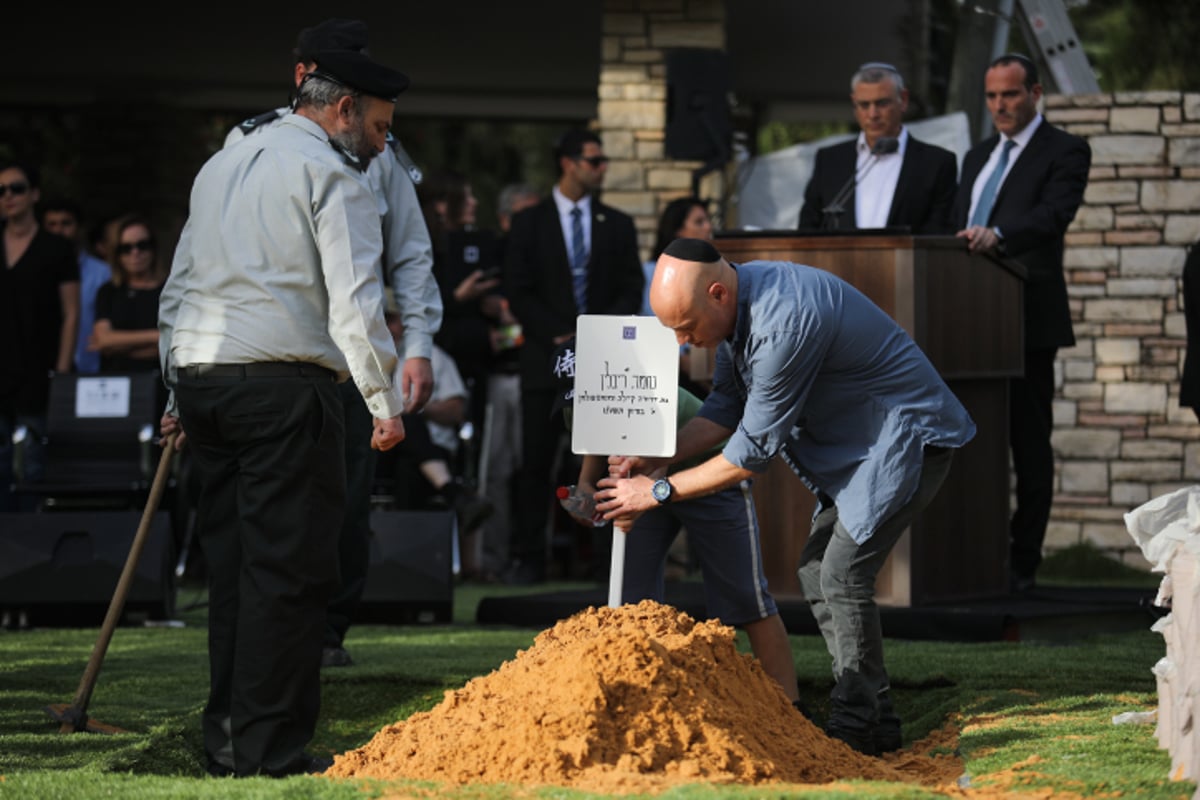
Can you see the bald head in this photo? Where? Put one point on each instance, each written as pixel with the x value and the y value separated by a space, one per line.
pixel 696 299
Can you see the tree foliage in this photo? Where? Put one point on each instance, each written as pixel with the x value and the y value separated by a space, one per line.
pixel 1140 45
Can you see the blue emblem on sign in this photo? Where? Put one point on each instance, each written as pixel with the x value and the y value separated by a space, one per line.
pixel 629 332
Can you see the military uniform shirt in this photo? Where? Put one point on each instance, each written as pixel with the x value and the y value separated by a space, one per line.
pixel 278 262
pixel 407 252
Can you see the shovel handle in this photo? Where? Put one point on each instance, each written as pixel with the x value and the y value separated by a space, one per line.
pixel 84 694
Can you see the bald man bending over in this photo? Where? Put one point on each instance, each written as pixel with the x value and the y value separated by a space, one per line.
pixel 811 370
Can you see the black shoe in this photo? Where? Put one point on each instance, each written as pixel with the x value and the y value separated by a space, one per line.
pixel 315 765
pixel 336 657
pixel 861 741
pixel 524 573
pixel 218 770
pixel 886 739
pixel 306 764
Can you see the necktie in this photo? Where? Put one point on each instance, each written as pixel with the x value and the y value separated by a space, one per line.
pixel 987 198
pixel 579 259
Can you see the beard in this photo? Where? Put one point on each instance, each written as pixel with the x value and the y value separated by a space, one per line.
pixel 355 143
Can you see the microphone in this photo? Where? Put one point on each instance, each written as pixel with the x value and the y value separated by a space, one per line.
pixel 832 213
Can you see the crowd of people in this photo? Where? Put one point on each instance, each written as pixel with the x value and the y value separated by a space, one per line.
pixel 328 329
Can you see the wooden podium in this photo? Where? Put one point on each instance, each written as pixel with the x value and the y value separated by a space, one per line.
pixel 965 312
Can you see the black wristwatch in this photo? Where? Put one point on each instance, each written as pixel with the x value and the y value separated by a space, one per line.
pixel 662 490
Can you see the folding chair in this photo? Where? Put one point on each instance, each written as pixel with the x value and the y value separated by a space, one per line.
pixel 100 441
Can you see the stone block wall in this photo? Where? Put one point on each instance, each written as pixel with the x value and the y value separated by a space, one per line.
pixel 1120 435
pixel 632 108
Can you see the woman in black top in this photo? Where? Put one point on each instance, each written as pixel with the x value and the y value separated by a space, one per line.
pixel 126 328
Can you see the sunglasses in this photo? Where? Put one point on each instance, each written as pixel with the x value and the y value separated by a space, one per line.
pixel 17 188
pixel 596 162
pixel 128 247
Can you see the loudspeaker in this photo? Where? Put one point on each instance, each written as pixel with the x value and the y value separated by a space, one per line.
pixel 699 127
pixel 62 567
pixel 410 575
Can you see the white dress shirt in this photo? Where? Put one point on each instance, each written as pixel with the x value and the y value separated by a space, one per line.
pixel 278 262
pixel 564 206
pixel 1020 141
pixel 877 186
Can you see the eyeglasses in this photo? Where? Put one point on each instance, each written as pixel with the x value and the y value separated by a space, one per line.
pixel 17 188
pixel 125 248
pixel 596 162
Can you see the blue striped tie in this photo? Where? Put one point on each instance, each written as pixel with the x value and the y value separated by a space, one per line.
pixel 987 198
pixel 579 259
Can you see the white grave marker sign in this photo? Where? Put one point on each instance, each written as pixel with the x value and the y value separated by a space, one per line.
pixel 626 386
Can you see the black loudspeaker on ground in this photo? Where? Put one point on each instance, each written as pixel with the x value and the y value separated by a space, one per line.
pixel 61 568
pixel 410 577
pixel 699 125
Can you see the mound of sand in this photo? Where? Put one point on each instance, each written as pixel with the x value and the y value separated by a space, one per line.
pixel 628 699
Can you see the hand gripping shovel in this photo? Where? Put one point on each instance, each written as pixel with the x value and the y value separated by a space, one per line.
pixel 74 716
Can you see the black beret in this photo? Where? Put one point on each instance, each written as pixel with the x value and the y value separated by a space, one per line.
pixel 332 34
pixel 359 72
pixel 698 250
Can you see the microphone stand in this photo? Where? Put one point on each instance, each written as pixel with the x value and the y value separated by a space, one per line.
pixel 831 214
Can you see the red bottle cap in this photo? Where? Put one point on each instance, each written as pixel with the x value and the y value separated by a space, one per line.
pixel 562 492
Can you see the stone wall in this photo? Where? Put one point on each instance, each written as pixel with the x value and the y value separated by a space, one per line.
pixel 631 113
pixel 1120 436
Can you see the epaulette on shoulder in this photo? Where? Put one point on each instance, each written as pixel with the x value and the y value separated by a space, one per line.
pixel 257 122
pixel 405 160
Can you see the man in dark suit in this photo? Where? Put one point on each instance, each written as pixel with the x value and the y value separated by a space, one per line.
pixel 568 255
pixel 912 186
pixel 1019 192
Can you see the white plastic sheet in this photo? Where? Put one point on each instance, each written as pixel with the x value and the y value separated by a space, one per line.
pixel 1167 530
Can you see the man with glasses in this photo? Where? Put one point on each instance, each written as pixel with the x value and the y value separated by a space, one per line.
pixel 408 263
pixel 39 315
pixel 885 178
pixel 1020 190
pixel 568 255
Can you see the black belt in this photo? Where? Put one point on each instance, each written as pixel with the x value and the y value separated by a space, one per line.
pixel 259 369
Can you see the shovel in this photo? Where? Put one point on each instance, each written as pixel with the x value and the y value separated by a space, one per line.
pixel 74 716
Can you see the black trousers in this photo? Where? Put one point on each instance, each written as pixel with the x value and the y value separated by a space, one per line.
pixel 354 539
pixel 540 434
pixel 272 474
pixel 1030 421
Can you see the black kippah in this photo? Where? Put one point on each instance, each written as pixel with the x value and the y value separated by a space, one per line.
pixel 698 250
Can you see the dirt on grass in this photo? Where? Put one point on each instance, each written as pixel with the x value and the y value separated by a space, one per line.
pixel 632 699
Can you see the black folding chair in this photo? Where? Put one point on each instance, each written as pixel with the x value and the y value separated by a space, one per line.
pixel 100 448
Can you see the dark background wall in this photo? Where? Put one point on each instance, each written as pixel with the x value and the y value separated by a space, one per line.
pixel 122 103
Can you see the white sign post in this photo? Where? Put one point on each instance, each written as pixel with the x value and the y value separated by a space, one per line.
pixel 626 390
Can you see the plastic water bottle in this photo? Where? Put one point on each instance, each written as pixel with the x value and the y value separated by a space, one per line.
pixel 579 505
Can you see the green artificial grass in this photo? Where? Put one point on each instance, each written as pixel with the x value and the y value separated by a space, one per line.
pixel 1032 715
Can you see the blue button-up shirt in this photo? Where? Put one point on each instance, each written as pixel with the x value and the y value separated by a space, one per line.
pixel 93 273
pixel 819 374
